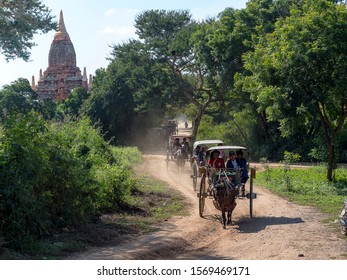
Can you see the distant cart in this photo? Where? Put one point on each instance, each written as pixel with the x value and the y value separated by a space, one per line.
pixel 224 186
pixel 178 155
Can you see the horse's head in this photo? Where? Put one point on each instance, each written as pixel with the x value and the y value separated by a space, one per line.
pixel 179 152
pixel 224 187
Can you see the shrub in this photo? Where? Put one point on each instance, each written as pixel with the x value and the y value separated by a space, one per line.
pixel 55 175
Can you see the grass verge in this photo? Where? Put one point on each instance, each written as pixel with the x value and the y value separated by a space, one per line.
pixel 307 187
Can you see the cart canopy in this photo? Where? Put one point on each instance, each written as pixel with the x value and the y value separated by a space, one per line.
pixel 230 148
pixel 206 142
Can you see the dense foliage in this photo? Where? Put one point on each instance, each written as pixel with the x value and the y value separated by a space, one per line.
pixel 19 22
pixel 54 174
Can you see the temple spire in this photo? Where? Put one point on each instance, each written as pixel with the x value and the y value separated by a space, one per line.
pixel 61 34
pixel 61 24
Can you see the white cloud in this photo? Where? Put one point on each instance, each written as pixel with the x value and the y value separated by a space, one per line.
pixel 110 12
pixel 119 30
pixel 121 12
pixel 119 23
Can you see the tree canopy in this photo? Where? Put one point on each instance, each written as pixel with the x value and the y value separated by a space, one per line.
pixel 299 72
pixel 19 22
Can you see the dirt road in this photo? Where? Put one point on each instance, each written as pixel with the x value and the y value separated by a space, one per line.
pixel 279 229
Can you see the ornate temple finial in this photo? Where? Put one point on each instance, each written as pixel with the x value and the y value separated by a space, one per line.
pixel 40 76
pixel 61 24
pixel 61 34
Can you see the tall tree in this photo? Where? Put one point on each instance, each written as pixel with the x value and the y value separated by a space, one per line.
pixel 235 33
pixel 169 38
pixel 19 21
pixel 111 103
pixel 300 70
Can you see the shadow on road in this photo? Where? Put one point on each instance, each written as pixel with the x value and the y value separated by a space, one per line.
pixel 247 225
pixel 213 218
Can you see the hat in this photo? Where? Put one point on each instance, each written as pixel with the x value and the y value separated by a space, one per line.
pixel 231 153
pixel 215 151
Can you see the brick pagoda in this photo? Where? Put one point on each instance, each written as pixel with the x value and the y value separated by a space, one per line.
pixel 62 75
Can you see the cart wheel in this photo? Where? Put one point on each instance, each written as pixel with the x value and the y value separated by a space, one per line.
pixel 195 176
pixel 202 196
pixel 344 230
pixel 251 197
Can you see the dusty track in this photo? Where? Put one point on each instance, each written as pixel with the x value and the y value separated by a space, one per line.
pixel 279 229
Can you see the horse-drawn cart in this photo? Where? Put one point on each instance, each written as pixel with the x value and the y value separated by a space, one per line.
pixel 178 150
pixel 225 185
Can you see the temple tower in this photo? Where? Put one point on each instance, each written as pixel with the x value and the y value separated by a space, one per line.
pixel 62 75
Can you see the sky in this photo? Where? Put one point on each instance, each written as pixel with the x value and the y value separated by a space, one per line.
pixel 94 26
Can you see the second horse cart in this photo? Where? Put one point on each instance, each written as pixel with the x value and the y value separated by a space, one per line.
pixel 198 160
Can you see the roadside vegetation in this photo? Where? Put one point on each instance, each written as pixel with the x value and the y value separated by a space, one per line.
pixel 58 175
pixel 307 186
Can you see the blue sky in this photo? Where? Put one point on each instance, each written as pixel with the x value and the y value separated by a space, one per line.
pixel 94 26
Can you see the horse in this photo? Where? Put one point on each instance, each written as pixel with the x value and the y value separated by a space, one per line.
pixel 180 158
pixel 225 193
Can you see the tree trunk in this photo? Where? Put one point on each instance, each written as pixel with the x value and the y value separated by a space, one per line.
pixel 197 120
pixel 329 135
pixel 331 159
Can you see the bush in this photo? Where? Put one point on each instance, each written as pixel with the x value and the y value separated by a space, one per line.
pixel 55 175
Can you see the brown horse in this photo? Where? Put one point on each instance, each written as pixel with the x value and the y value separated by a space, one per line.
pixel 225 193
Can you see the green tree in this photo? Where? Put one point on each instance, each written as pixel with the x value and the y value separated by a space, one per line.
pixel 111 103
pixel 18 97
pixel 132 94
pixel 235 33
pixel 19 22
pixel 72 105
pixel 169 37
pixel 299 71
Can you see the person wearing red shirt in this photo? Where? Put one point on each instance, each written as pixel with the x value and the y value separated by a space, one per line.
pixel 216 161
